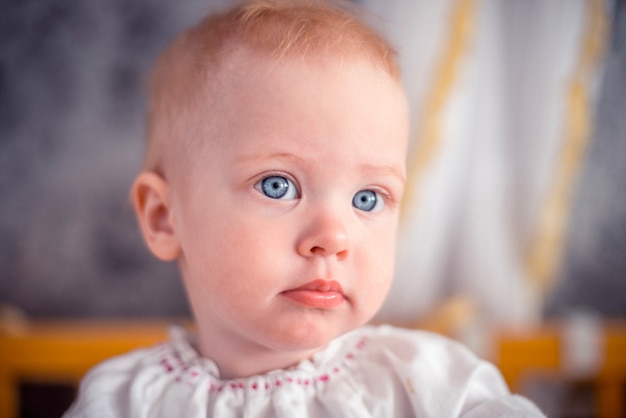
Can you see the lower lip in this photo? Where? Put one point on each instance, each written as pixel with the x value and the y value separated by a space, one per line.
pixel 315 299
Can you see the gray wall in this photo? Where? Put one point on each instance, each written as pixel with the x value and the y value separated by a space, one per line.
pixel 71 113
pixel 594 271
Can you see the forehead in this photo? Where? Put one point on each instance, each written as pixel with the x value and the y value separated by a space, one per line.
pixel 199 62
pixel 250 76
pixel 310 104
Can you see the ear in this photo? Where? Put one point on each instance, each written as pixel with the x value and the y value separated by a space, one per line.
pixel 151 199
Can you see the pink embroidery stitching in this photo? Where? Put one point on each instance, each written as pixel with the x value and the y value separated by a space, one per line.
pixel 169 366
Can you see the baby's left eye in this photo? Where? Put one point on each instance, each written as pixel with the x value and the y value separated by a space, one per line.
pixel 368 201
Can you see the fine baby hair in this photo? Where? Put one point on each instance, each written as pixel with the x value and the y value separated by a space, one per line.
pixel 273 176
pixel 190 71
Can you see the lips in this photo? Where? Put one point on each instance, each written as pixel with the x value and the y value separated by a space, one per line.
pixel 322 294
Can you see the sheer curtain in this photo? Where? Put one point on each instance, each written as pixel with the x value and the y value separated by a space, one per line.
pixel 502 95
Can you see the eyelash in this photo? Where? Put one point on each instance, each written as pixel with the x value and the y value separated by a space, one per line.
pixel 387 198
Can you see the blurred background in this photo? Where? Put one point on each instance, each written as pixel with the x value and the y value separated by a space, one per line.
pixel 515 213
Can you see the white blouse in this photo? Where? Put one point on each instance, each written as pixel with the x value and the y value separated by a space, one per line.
pixel 370 372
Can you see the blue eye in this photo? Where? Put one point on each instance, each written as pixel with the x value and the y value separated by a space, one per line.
pixel 277 187
pixel 368 201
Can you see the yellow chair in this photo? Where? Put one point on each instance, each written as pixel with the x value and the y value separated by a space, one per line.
pixel 49 351
pixel 537 351
pixel 61 351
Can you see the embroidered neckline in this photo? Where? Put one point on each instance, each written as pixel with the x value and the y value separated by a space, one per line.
pixel 181 360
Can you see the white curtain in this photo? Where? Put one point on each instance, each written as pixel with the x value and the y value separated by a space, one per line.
pixel 502 97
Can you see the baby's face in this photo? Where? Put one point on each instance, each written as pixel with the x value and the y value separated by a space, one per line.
pixel 287 219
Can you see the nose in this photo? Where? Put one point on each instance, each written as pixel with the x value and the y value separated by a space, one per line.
pixel 326 236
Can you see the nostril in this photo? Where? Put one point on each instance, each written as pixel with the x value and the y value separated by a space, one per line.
pixel 342 255
pixel 317 250
pixel 321 251
pixel 324 238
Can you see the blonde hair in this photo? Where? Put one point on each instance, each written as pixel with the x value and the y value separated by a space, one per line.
pixel 268 28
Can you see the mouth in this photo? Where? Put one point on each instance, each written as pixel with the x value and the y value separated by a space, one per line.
pixel 322 294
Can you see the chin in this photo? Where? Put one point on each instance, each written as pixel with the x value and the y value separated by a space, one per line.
pixel 310 337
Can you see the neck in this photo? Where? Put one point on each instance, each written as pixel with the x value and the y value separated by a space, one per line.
pixel 236 357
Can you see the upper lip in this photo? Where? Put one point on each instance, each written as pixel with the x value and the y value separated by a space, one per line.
pixel 321 285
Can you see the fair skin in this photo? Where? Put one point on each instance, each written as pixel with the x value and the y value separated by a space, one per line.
pixel 284 223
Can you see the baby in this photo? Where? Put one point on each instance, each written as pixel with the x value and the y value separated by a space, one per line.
pixel 273 176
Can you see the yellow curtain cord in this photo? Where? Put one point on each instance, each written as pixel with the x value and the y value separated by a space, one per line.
pixel 545 251
pixel 428 137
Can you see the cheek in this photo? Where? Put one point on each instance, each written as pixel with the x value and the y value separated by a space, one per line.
pixel 257 240
pixel 380 247
pixel 243 253
pixel 376 263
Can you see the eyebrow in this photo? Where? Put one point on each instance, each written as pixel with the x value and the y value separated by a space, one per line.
pixel 386 170
pixel 262 156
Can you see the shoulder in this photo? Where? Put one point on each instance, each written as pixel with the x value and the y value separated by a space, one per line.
pixel 423 353
pixel 416 346
pixel 439 376
pixel 107 389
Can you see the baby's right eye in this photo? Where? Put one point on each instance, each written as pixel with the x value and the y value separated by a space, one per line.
pixel 277 187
